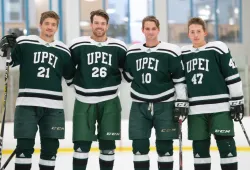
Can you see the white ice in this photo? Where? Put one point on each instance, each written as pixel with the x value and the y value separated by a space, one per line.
pixel 124 161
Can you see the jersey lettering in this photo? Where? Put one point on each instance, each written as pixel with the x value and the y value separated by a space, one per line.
pixel 197 64
pixel 42 57
pixel 147 62
pixel 101 57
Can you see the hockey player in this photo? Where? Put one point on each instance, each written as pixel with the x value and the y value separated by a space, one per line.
pixel 98 59
pixel 215 97
pixel 43 62
pixel 157 77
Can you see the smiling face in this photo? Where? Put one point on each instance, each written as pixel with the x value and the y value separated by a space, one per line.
pixel 49 27
pixel 150 30
pixel 99 26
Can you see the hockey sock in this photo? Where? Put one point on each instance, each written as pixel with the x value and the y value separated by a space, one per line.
pixel 228 154
pixel 24 151
pixel 81 151
pixel 49 148
pixel 202 160
pixel 107 154
pixel 140 150
pixel 165 154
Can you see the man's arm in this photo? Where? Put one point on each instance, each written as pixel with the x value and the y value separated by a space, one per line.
pixel 127 75
pixel 75 51
pixel 232 78
pixel 176 68
pixel 69 70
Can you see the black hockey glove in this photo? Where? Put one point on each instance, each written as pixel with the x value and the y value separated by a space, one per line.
pixel 7 41
pixel 180 109
pixel 236 108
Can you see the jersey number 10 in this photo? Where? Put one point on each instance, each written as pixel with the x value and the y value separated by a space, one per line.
pixel 146 78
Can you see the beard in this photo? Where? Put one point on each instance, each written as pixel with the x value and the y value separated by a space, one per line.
pixel 99 33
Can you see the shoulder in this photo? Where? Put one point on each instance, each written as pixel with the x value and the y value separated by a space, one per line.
pixel 118 43
pixel 60 43
pixel 29 38
pixel 172 49
pixel 79 41
pixel 218 45
pixel 61 46
pixel 135 48
pixel 186 48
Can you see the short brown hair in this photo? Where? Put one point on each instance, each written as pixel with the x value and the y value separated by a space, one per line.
pixel 49 14
pixel 152 19
pixel 101 13
pixel 198 21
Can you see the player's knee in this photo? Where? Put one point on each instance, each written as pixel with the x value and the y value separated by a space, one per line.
pixel 226 146
pixel 106 144
pixel 82 146
pixel 49 147
pixel 25 147
pixel 107 156
pixel 164 147
pixel 140 146
pixel 107 153
pixel 201 148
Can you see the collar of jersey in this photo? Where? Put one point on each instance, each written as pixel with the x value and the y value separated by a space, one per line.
pixel 47 44
pixel 99 44
pixel 199 49
pixel 148 49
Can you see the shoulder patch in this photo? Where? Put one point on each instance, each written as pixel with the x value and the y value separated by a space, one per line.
pixel 29 38
pixel 135 48
pixel 79 41
pixel 118 43
pixel 186 48
pixel 60 45
pixel 220 46
pixel 170 48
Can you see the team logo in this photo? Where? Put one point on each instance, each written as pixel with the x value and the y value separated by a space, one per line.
pixel 99 44
pixel 112 134
pixel 222 131
pixel 57 128
pixel 168 130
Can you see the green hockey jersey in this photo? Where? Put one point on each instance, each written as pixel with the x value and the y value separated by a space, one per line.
pixel 212 77
pixel 98 65
pixel 42 67
pixel 156 73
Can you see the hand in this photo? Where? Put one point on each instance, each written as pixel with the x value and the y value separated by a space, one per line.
pixel 181 109
pixel 8 41
pixel 236 108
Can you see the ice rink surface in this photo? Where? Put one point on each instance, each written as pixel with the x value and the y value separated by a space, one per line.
pixel 124 161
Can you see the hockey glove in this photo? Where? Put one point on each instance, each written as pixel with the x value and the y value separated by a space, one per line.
pixel 180 110
pixel 8 41
pixel 236 108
